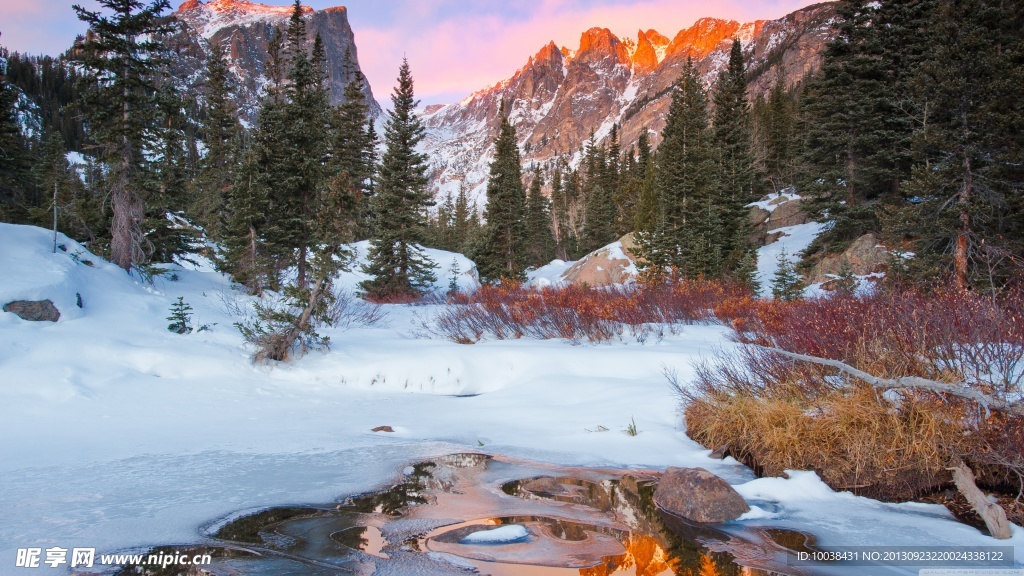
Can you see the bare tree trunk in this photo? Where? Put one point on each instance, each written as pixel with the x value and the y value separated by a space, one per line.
pixel 54 217
pixel 125 243
pixel 993 514
pixel 962 237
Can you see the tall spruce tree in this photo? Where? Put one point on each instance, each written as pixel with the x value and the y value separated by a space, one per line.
pixel 398 267
pixel 353 157
pixel 961 209
pixel 857 122
pixel 540 242
pixel 15 159
pixel 244 233
pixel 600 180
pixel 220 132
pixel 502 252
pixel 682 230
pixel 735 171
pixel 121 56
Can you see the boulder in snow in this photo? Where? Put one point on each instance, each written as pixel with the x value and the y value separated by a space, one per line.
pixel 865 256
pixel 786 213
pixel 699 496
pixel 612 264
pixel 34 310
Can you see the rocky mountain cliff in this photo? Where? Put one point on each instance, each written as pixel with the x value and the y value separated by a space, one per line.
pixel 243 29
pixel 561 95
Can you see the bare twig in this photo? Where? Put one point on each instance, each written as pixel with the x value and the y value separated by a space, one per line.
pixel 958 389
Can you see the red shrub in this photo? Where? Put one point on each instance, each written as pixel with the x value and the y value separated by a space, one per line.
pixel 578 313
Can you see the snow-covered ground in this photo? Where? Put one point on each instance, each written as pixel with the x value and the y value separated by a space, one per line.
pixel 115 433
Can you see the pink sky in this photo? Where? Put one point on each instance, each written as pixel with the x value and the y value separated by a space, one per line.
pixel 454 46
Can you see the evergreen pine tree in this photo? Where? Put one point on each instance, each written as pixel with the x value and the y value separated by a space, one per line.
pixel 540 242
pixel 683 185
pixel 786 283
pixel 599 208
pixel 352 159
pixel 559 214
pixel 247 205
pixel 961 208
pixel 121 58
pixel 858 120
pixel 735 171
pixel 644 216
pixel 15 160
pixel 398 267
pixel 220 130
pixel 181 316
pixel 502 253
pixel 463 220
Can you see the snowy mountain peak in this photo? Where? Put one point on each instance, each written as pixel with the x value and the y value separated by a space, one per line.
pixel 213 15
pixel 704 36
pixel 560 96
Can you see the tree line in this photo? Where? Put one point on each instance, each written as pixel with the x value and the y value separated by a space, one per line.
pixel 909 130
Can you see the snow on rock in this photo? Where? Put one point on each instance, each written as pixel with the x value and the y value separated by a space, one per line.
pixel 614 264
pixel 549 275
pixel 503 535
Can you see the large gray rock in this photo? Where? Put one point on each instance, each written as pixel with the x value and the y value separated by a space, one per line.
pixel 864 256
pixel 699 496
pixel 33 310
pixel 607 266
pixel 787 213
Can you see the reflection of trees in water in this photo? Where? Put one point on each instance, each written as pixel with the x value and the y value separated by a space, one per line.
pixel 353 538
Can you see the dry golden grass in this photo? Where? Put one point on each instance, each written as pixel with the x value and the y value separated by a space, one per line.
pixel 855 439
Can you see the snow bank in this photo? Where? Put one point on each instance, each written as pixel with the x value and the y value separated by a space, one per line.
pixel 794 240
pixel 548 275
pixel 115 433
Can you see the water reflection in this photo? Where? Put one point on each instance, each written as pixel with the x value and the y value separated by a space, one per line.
pixel 583 522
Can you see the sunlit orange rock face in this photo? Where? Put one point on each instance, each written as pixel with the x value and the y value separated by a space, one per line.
pixel 561 96
pixel 704 36
pixel 644 556
pixel 645 58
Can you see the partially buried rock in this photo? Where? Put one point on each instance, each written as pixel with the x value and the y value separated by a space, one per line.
pixel 699 496
pixel 34 310
pixel 383 429
pixel 545 487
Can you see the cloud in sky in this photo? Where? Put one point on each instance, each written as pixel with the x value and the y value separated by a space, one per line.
pixel 454 46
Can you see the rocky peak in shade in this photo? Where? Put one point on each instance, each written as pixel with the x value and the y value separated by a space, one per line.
pixel 243 31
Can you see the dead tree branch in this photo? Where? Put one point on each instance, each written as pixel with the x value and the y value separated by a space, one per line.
pixel 958 389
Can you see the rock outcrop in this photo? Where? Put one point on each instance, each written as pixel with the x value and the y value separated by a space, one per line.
pixel 607 266
pixel 34 310
pixel 243 29
pixel 773 212
pixel 865 256
pixel 698 496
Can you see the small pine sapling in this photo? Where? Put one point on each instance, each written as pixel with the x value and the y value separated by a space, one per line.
pixel 846 282
pixel 181 317
pixel 786 284
pixel 453 280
